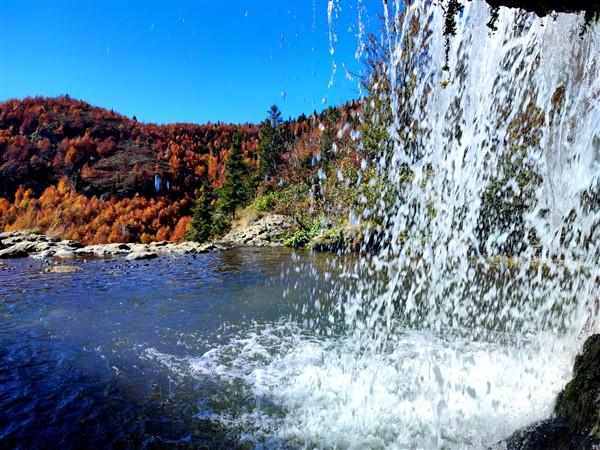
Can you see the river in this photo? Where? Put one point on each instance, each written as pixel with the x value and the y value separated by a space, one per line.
pixel 219 350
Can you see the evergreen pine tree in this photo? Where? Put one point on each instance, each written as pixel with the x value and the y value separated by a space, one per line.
pixel 271 143
pixel 233 192
pixel 274 116
pixel 202 217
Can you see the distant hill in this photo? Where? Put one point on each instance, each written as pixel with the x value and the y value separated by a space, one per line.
pixel 87 173
pixel 104 153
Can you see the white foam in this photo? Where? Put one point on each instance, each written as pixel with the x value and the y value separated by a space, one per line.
pixel 426 392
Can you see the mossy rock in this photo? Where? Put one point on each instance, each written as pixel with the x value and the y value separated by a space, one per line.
pixel 346 237
pixel 576 421
pixel 579 402
pixel 327 241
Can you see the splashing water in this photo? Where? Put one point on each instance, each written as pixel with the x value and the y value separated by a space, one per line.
pixel 509 129
pixel 463 325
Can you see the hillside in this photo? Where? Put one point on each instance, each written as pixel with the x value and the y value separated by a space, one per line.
pixel 77 171
pixel 101 152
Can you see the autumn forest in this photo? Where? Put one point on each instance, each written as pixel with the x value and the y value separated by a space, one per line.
pixel 81 172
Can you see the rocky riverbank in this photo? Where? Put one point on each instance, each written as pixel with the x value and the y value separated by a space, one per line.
pixel 267 232
pixel 22 244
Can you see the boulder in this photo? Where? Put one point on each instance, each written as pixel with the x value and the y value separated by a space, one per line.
pixel 579 402
pixel 266 232
pixel 327 241
pixel 27 247
pixel 136 256
pixel 576 424
pixel 61 269
pixel 15 237
pixel 161 244
pixel 71 244
pixel 12 252
pixel 33 247
pixel 44 246
pixel 348 237
pixel 553 433
pixel 17 244
pixel 182 247
pixel 64 253
pixel 139 248
pixel 104 250
pixel 44 254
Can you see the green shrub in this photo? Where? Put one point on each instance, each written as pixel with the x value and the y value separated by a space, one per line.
pixel 301 238
pixel 266 202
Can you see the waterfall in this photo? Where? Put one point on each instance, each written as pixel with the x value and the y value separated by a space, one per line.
pixel 493 163
pixel 459 321
pixel 463 325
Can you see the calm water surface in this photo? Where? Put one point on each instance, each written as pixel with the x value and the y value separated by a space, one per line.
pixel 101 356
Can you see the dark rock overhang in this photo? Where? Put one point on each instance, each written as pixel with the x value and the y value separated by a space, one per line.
pixel 591 8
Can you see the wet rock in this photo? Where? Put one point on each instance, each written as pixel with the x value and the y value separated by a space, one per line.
pixel 104 250
pixel 61 269
pixel 71 244
pixel 211 246
pixel 553 433
pixel 544 7
pixel 12 252
pixel 579 402
pixel 137 256
pixel 266 232
pixel 576 424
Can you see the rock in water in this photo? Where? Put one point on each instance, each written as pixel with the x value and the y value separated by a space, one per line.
pixel 579 402
pixel 576 424
pixel 12 252
pixel 136 256
pixel 61 269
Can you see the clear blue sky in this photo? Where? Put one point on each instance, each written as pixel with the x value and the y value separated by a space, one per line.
pixel 182 61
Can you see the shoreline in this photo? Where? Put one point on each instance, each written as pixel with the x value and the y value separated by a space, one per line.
pixel 24 244
pixel 272 230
